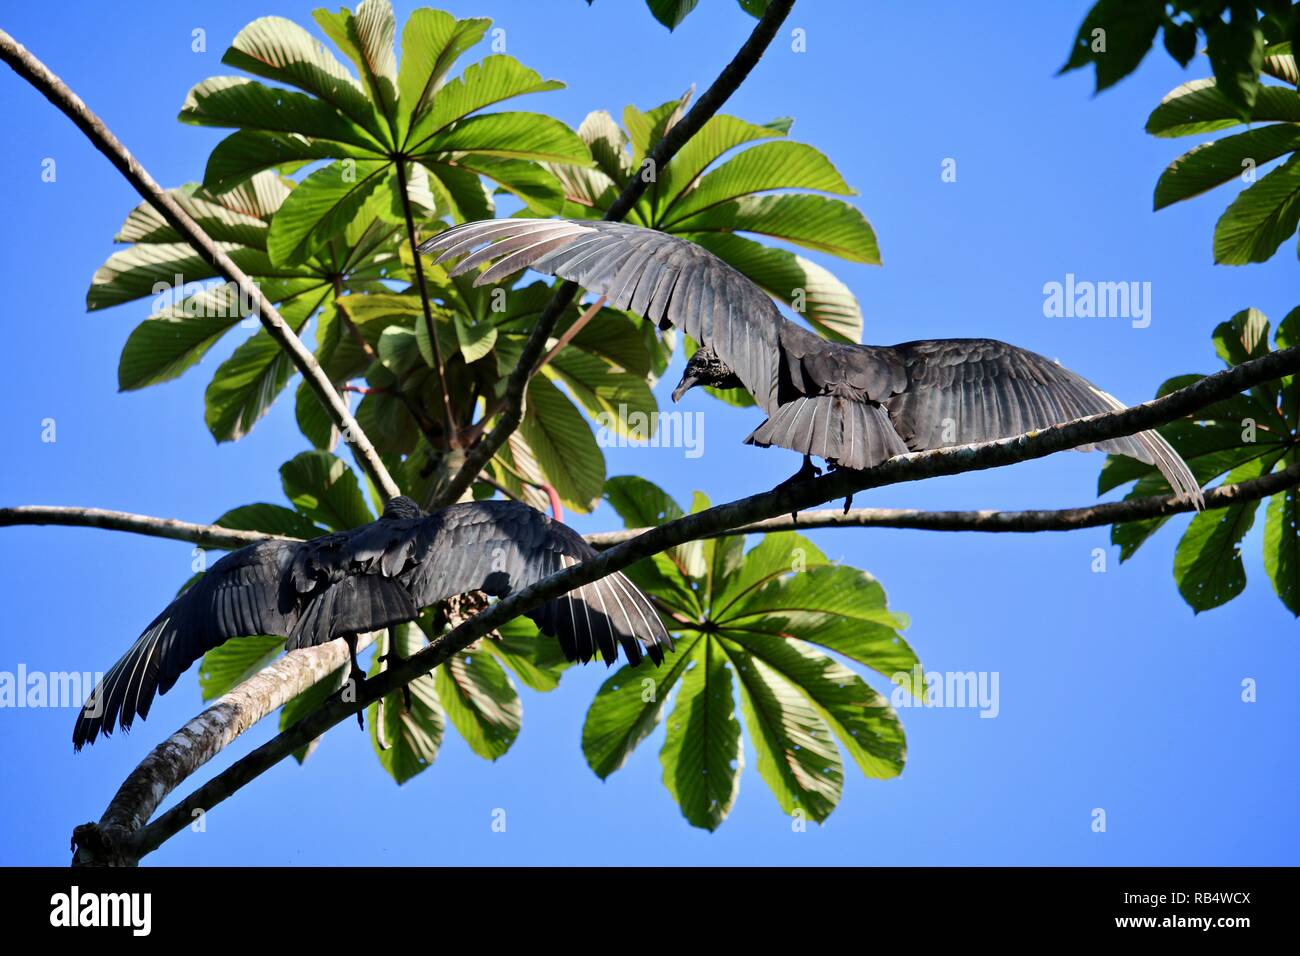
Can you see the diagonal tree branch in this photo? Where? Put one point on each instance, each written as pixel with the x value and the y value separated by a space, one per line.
pixel 1055 519
pixel 732 75
pixel 119 835
pixel 57 92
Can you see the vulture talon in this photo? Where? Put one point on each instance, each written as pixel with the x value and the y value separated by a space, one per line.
pixel 369 578
pixel 406 688
pixel 848 503
pixel 858 405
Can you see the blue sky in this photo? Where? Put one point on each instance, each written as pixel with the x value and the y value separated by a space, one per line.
pixel 1112 693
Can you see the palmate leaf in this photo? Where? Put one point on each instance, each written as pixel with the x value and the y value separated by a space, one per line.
pixel 748 622
pixel 563 445
pixel 1240 438
pixel 325 489
pixel 714 190
pixel 406 740
pixel 234 662
pixel 308 702
pixel 1212 164
pixel 703 755
pixel 535 659
pixel 481 700
pixel 1261 218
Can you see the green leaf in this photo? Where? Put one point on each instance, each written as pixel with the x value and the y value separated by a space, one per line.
pixel 621 403
pixel 534 658
pixel 776 555
pixel 563 444
pixel 481 701
pixel 308 702
pixel 151 269
pixel 432 41
pixel 815 222
pixel 240 103
pixel 246 153
pixel 269 519
pixel 406 740
pixel 702 755
pixel 862 720
pixel 222 668
pixel 1261 218
pixel 1242 338
pixel 492 80
pixel 642 504
pixel 512 135
pixel 1236 51
pixel 324 204
pixel 221 222
pixel 367 39
pixel 476 340
pixel 628 707
pixel 716 137
pixel 1127 31
pixel 1212 164
pixel 797 756
pixel 245 386
pixel 313 421
pixel 1207 564
pixel 841 609
pixel 765 167
pixel 166 344
pixel 1282 548
pixel 671 13
pixel 1200 107
pixel 322 487
pixel 279 49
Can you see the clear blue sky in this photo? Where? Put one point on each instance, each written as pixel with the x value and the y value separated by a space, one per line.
pixel 1113 694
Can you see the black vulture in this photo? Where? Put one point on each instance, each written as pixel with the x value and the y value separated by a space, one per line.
pixel 383 573
pixel 852 405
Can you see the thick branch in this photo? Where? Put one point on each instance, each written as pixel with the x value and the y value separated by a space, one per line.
pixel 56 91
pixel 132 845
pixel 1056 519
pixel 732 75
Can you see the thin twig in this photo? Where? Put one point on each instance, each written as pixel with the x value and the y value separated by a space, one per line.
pixel 570 333
pixel 732 75
pixel 117 836
pixel 57 92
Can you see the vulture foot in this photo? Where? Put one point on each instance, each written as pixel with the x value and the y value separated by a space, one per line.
pixel 356 676
pixel 807 471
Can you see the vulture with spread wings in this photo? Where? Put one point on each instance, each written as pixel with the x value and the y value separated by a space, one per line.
pixel 852 405
pixel 383 573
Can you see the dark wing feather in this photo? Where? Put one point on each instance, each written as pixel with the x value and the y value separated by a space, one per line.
pixel 241 595
pixel 665 279
pixel 503 546
pixel 974 390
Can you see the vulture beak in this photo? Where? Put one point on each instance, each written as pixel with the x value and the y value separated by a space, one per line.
pixel 688 382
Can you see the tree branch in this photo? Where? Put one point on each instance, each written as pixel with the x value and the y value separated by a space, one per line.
pixel 57 92
pixel 448 419
pixel 1056 519
pixel 117 837
pixel 732 75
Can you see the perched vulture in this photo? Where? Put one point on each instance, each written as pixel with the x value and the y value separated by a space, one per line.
pixel 853 405
pixel 382 573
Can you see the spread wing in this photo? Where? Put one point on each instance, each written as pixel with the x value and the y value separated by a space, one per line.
pixel 665 279
pixel 503 546
pixel 972 390
pixel 380 574
pixel 241 595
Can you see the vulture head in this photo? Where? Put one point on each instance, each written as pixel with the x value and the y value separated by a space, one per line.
pixel 705 368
